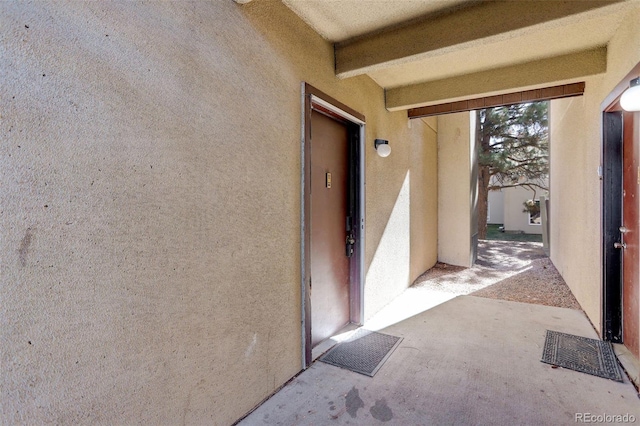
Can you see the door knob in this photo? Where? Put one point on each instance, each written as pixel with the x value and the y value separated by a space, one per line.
pixel 623 229
pixel 620 245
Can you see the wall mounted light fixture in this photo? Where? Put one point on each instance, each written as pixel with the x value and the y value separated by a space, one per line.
pixel 630 99
pixel 382 147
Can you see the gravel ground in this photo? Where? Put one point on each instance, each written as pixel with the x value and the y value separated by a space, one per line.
pixel 515 271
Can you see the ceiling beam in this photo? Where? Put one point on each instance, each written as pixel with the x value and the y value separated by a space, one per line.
pixel 535 95
pixel 529 75
pixel 477 24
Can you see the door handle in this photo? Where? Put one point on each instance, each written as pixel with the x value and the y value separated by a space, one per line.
pixel 620 245
pixel 349 243
pixel 623 229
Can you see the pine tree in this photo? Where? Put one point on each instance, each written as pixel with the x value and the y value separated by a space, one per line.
pixel 513 144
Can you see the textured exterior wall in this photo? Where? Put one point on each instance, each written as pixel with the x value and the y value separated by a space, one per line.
pixel 454 175
pixel 514 218
pixel 150 213
pixel 424 202
pixel 575 196
pixel 496 207
pixel 575 213
pixel 401 212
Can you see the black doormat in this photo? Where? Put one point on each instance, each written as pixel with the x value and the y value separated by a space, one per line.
pixel 363 353
pixel 577 353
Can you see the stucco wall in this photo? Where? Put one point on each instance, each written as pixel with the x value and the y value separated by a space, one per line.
pixel 402 240
pixel 150 212
pixel 514 217
pixel 575 213
pixel 454 176
pixel 424 204
pixel 496 207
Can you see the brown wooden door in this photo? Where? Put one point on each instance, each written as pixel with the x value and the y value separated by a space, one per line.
pixel 329 263
pixel 631 238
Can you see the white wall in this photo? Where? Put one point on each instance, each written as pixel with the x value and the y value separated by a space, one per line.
pixel 514 217
pixel 496 207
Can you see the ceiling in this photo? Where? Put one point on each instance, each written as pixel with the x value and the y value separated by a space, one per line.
pixel 340 20
pixel 407 44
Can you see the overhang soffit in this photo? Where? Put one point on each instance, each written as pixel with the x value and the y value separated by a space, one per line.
pixel 562 69
pixel 488 23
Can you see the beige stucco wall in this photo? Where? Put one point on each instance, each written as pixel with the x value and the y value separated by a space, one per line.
pixel 575 212
pixel 424 204
pixel 150 213
pixel 454 176
pixel 402 241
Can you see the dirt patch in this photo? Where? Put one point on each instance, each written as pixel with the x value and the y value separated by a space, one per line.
pixel 541 284
pixel 514 271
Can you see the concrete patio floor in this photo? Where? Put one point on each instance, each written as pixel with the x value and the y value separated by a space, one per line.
pixel 467 360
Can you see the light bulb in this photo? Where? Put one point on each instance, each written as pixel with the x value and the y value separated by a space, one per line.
pixel 384 150
pixel 630 99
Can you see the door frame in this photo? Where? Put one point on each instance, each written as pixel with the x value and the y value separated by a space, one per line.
pixel 611 161
pixel 313 98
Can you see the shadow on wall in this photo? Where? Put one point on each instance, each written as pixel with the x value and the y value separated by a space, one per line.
pixel 389 270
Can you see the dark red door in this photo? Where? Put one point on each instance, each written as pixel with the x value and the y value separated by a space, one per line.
pixel 629 232
pixel 329 263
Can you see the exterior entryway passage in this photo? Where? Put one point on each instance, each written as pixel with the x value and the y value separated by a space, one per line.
pixel 464 359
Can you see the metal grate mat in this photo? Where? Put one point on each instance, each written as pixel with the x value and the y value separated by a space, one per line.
pixel 582 354
pixel 365 352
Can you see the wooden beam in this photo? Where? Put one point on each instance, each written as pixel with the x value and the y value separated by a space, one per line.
pixel 545 94
pixel 464 27
pixel 547 72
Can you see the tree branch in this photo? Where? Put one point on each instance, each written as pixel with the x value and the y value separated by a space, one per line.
pixel 515 185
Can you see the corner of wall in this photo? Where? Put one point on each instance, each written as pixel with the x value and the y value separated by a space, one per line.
pixel 454 175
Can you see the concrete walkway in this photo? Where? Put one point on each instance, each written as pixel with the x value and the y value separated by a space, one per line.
pixel 467 361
